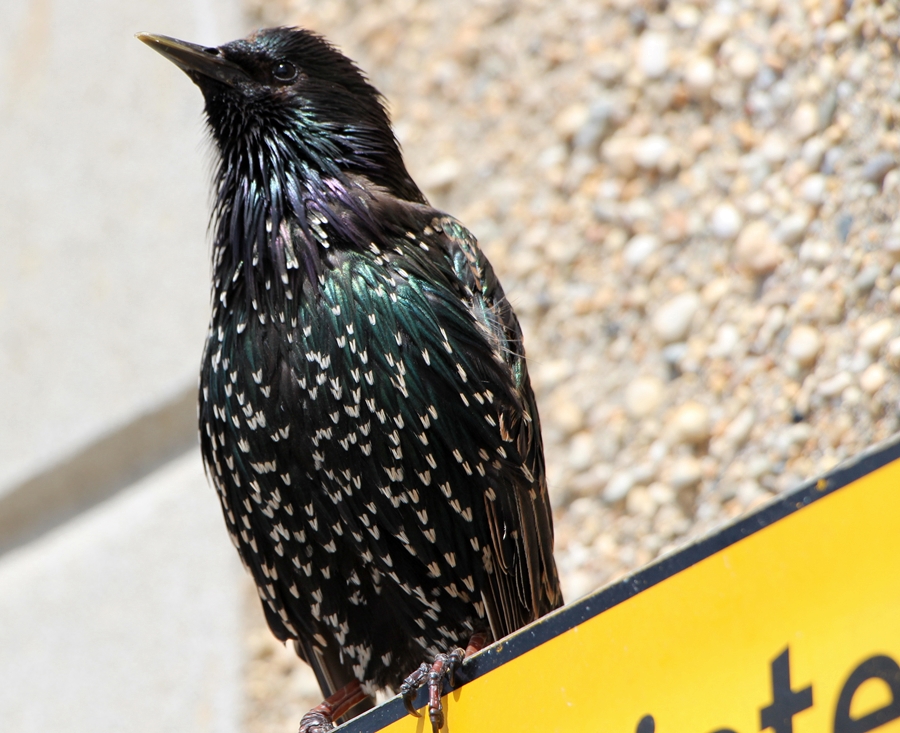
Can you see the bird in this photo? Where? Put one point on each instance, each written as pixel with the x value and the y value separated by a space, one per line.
pixel 365 411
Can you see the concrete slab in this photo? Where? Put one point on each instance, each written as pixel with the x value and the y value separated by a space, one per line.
pixel 127 617
pixel 104 260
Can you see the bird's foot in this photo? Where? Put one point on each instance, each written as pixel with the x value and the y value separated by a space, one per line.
pixel 443 668
pixel 433 675
pixel 321 718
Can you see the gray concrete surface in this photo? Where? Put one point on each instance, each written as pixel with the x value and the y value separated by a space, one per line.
pixel 109 463
pixel 120 596
pixel 127 618
pixel 103 214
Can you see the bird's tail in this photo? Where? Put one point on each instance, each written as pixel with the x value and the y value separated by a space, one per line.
pixel 331 674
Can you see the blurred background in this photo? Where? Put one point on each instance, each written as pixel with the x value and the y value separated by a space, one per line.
pixel 690 205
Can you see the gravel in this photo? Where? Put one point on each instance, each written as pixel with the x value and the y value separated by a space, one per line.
pixel 690 206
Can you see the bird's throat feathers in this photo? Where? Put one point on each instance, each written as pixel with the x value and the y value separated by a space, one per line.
pixel 300 159
pixel 283 207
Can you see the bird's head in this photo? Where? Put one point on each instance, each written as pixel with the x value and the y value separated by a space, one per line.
pixel 284 103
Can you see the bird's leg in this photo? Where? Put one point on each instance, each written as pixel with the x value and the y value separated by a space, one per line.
pixel 476 644
pixel 321 718
pixel 433 675
pixel 443 667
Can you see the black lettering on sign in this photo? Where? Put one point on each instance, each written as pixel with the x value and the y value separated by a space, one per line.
pixel 646 724
pixel 878 667
pixel 786 703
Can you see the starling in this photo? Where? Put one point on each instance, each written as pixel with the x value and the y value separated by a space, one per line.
pixel 366 415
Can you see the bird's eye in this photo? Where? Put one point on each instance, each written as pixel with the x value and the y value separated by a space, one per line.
pixel 284 71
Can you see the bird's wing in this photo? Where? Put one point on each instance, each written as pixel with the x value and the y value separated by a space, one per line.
pixel 524 583
pixel 492 311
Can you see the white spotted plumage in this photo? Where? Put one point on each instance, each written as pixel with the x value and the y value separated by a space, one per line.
pixel 367 421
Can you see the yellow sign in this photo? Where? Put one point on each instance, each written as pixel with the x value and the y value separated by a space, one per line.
pixel 786 621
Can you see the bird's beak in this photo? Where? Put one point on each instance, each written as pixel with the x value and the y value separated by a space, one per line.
pixel 194 59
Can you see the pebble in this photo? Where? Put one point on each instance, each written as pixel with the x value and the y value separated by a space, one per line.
pixel 716 27
pixel 650 151
pixel 640 502
pixel 570 120
pixel 892 246
pixel 756 204
pixel 700 75
pixel 577 583
pixel 685 16
pixel 805 121
pixel 859 361
pixel 618 487
pixel 816 252
pixel 591 483
pixel 596 127
pixel 757 250
pixel 684 473
pixel 728 338
pixel 441 175
pixel 873 378
pixel 773 323
pixel 653 54
pixel 749 491
pixel 672 321
pixel 851 396
pixel 832 160
pixel 662 494
pixel 804 345
pixel 726 221
pixel 866 279
pixel 877 167
pixel 551 156
pixel 669 521
pixel 715 290
pixel 837 33
pixel 791 229
pixel 893 353
pixel 690 424
pixel 835 385
pixel 645 471
pixel 894 298
pixel 813 153
pixel 738 430
pixel 643 396
pixel 567 415
pixel 813 189
pixel 891 182
pixel 775 147
pixel 619 151
pixel 548 373
pixel 744 64
pixel 582 451
pixel 787 442
pixel 639 248
pixel 758 466
pixel 876 336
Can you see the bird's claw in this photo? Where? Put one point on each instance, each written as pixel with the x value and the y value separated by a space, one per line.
pixel 443 667
pixel 411 686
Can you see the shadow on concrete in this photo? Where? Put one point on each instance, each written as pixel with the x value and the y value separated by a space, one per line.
pixel 99 470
